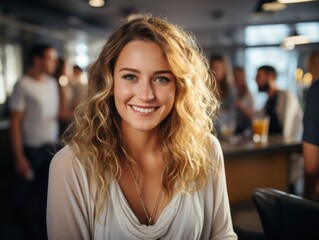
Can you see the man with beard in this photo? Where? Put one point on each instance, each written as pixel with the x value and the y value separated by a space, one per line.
pixel 286 115
pixel 282 106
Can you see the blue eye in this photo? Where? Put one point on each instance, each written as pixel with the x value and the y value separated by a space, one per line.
pixel 129 77
pixel 161 79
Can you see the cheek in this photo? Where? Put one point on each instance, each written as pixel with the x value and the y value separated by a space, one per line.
pixel 121 92
pixel 167 97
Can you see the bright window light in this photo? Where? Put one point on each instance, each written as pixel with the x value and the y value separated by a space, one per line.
pixel 266 34
pixel 294 1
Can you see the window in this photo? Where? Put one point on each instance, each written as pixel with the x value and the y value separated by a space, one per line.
pixel 283 61
pixel 310 29
pixel 10 69
pixel 266 34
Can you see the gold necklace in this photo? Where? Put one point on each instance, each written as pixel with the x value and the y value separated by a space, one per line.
pixel 149 218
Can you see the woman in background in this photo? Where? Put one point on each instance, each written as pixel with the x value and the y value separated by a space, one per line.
pixel 225 124
pixel 140 161
pixel 244 103
pixel 222 71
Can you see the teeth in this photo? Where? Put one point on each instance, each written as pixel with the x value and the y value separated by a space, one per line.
pixel 143 110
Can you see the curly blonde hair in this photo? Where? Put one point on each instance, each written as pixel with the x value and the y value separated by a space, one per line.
pixel 95 134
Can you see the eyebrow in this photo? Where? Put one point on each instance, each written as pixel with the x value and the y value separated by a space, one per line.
pixel 156 72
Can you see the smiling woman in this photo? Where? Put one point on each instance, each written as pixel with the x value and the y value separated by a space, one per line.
pixel 140 161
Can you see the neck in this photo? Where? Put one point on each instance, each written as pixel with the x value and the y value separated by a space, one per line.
pixel 272 92
pixel 142 145
pixel 35 74
pixel 272 89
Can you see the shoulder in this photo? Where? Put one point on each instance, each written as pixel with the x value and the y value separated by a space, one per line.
pixel 283 93
pixel 286 96
pixel 22 82
pixel 312 99
pixel 214 149
pixel 315 84
pixel 314 88
pixel 214 142
pixel 65 163
pixel 20 90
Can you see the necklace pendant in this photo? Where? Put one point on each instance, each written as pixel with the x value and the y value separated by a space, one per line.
pixel 149 221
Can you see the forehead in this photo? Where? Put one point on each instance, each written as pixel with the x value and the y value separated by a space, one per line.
pixel 140 43
pixel 141 53
pixel 50 52
pixel 216 62
pixel 261 72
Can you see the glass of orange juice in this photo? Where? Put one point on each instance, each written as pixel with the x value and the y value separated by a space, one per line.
pixel 260 126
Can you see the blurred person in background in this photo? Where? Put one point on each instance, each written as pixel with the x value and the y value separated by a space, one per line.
pixel 62 75
pixel 34 106
pixel 286 115
pixel 77 85
pixel 71 88
pixel 310 144
pixel 221 68
pixel 222 71
pixel 244 103
pixel 282 106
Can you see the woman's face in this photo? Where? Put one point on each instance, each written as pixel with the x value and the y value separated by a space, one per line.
pixel 239 78
pixel 218 69
pixel 144 86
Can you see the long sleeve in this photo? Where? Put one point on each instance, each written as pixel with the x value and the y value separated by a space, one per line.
pixel 69 209
pixel 222 227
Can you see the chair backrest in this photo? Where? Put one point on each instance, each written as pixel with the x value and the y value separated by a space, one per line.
pixel 286 216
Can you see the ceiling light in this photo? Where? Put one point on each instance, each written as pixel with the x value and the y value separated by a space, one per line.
pixel 294 1
pixel 294 39
pixel 273 6
pixel 96 3
pixel 132 16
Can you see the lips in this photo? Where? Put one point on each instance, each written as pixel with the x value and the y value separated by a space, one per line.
pixel 143 109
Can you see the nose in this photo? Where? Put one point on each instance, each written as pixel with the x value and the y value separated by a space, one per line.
pixel 145 91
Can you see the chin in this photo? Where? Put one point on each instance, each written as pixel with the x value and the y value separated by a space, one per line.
pixel 143 127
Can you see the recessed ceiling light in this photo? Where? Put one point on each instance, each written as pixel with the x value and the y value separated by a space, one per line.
pixel 273 6
pixel 96 3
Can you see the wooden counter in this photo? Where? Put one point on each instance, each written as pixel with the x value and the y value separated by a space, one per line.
pixel 249 165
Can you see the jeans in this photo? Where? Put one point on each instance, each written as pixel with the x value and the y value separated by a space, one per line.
pixel 30 197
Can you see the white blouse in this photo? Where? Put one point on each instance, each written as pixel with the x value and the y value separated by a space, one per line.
pixel 204 214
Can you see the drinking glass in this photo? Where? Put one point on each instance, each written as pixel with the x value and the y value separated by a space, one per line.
pixel 260 128
pixel 227 125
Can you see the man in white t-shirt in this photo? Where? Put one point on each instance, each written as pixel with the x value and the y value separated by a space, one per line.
pixel 34 108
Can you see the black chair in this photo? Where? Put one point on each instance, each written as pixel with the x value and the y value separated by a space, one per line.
pixel 246 221
pixel 286 216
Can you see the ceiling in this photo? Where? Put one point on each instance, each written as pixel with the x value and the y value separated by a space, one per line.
pixel 202 17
